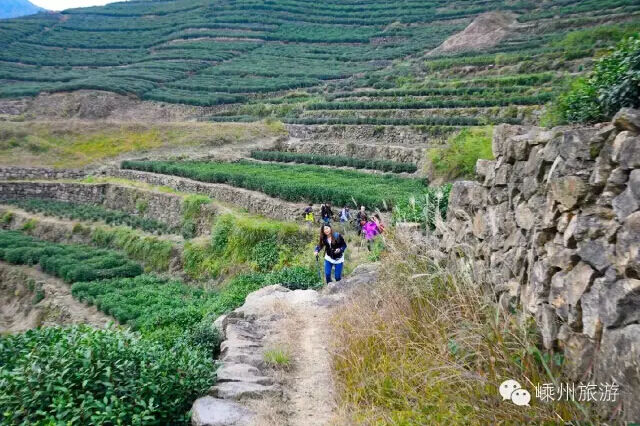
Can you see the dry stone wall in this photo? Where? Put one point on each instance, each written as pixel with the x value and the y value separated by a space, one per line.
pixel 402 135
pixel 400 154
pixel 252 201
pixel 40 173
pixel 555 218
pixel 161 206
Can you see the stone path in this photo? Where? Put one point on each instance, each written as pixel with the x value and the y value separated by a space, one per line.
pixel 300 392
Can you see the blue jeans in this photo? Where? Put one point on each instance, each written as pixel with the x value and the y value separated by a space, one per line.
pixel 327 270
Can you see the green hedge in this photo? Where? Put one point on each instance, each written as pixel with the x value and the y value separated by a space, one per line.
pixel 295 183
pixel 71 262
pixel 88 212
pixel 332 160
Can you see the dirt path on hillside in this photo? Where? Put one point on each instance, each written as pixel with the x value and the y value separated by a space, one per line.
pixel 276 358
pixel 311 393
pixel 18 312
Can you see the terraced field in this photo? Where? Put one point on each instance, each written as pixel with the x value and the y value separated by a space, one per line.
pixel 159 358
pixel 355 62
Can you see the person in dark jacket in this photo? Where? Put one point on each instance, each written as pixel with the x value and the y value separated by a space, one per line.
pixel 326 213
pixel 334 247
pixel 361 219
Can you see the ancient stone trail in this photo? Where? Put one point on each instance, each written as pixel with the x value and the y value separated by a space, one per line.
pixel 252 391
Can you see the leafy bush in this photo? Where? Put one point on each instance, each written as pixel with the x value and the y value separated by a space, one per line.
pixel 332 160
pixel 71 262
pixel 294 183
pixel 83 375
pixel 294 278
pixel 458 158
pixel 265 254
pixel 147 302
pixel 614 83
pixel 153 251
pixel 238 239
pixel 190 210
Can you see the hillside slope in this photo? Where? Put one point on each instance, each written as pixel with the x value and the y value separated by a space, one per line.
pixel 16 8
pixel 338 62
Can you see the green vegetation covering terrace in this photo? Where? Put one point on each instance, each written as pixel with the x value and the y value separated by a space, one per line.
pixel 335 55
pixel 87 212
pixel 294 183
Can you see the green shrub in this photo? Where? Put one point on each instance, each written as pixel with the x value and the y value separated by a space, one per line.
pixel 29 225
pixel 82 375
pixel 153 251
pixel 238 240
pixel 265 254
pixel 295 278
pixel 6 218
pixel 458 158
pixel 189 229
pixel 614 83
pixel 191 206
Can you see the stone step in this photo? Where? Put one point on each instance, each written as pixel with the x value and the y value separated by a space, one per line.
pixel 232 372
pixel 208 411
pixel 243 390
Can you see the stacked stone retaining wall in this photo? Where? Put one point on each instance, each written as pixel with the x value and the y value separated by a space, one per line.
pixel 555 218
pixel 161 206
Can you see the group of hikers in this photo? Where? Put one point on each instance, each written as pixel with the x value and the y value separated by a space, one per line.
pixel 333 243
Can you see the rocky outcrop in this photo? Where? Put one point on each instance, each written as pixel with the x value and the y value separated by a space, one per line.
pixel 487 30
pixel 555 218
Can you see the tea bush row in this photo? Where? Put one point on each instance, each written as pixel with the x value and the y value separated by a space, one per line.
pixel 332 160
pixel 88 212
pixel 71 262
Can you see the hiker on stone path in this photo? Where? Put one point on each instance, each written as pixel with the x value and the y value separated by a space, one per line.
pixel 361 219
pixel 308 215
pixel 334 247
pixel 372 228
pixel 326 213
pixel 345 214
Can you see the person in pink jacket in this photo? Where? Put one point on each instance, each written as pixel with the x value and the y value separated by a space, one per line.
pixel 372 228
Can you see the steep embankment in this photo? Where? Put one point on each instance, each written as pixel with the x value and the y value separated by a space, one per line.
pixel 32 299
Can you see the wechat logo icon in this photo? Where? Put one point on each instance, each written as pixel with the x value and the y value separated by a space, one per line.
pixel 510 389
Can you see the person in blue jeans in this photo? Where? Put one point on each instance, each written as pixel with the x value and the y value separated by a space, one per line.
pixel 334 247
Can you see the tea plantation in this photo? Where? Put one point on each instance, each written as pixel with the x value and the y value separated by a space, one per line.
pixel 354 62
pixel 295 183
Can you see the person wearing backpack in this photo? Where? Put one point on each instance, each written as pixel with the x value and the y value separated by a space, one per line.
pixel 308 215
pixel 334 247
pixel 326 213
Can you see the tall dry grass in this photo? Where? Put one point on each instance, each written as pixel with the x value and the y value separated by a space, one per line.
pixel 428 344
